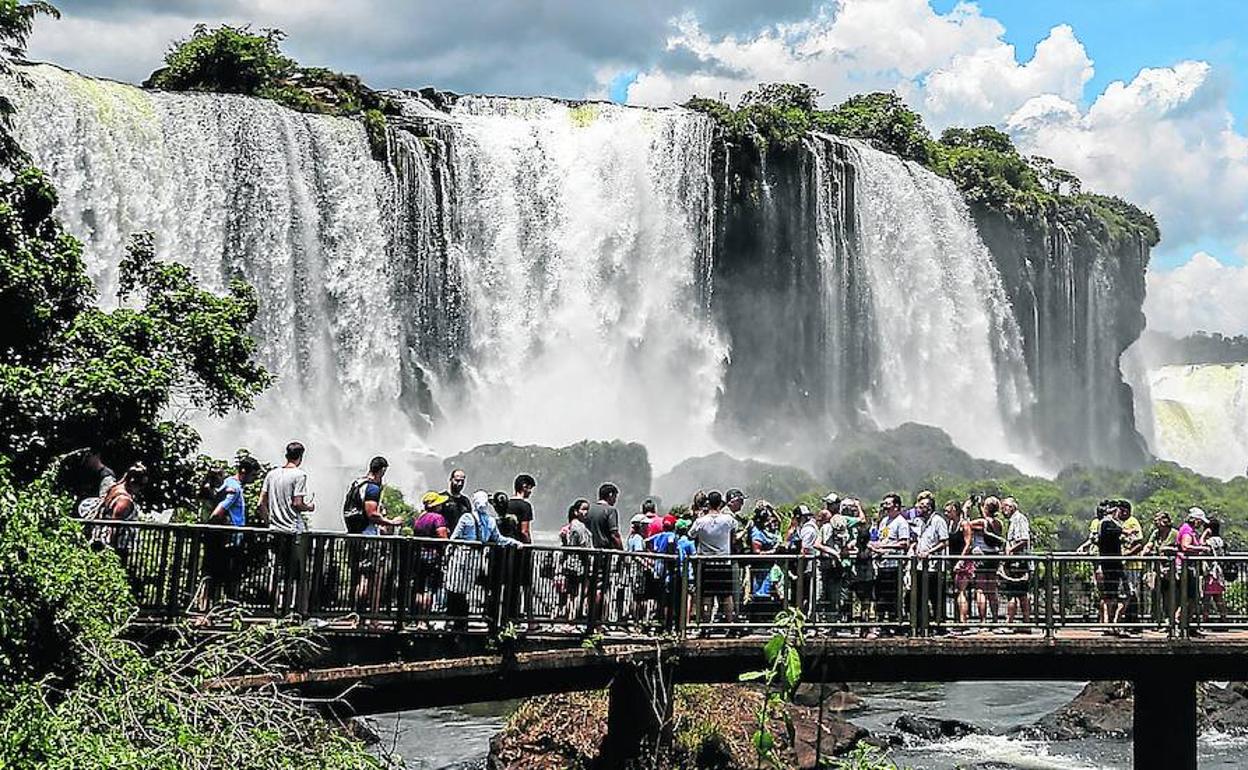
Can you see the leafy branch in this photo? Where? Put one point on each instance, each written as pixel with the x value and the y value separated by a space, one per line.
pixel 783 653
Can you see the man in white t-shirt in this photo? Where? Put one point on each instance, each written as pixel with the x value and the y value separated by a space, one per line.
pixel 284 500
pixel 894 539
pixel 1016 575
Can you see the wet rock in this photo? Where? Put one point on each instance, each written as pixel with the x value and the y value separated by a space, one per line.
pixel 933 728
pixel 837 697
pixel 837 738
pixel 1101 709
pixel 1106 709
pixel 364 730
pixel 1223 708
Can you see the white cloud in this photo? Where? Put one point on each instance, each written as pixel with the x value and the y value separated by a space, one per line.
pixel 955 66
pixel 1166 141
pixel 1201 295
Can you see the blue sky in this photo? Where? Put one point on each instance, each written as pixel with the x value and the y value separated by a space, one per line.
pixel 1125 36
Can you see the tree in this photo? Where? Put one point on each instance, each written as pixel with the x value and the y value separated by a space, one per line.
pixel 882 119
pixel 74 376
pixel 226 59
pixel 17 19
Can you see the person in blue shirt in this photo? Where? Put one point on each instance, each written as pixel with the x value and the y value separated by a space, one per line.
pixel 221 550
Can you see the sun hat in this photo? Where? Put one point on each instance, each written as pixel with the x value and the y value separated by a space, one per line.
pixel 433 499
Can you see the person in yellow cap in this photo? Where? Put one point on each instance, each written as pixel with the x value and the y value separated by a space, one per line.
pixel 427 580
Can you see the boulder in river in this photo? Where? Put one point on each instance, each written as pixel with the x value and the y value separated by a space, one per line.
pixel 1106 709
pixel 933 728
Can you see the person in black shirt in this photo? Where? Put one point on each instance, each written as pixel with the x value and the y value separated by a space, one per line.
pixel 457 503
pixel 520 510
pixel 1113 585
pixel 520 507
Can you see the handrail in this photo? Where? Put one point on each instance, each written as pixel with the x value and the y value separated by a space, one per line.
pixel 404 582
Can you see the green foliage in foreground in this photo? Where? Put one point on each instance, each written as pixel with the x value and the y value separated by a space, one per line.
pixel 75 694
pixel 981 161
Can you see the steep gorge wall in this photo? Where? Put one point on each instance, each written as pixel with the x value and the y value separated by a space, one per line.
pixel 1077 289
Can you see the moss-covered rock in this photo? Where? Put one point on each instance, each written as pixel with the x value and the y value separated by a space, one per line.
pixel 562 474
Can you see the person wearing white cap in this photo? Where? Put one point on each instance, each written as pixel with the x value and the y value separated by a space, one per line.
pixel 1189 544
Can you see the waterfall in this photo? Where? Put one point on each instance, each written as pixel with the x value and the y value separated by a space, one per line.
pixel 583 233
pixel 945 348
pixel 542 272
pixel 1200 416
pixel 234 186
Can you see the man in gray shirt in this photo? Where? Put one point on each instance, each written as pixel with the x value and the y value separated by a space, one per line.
pixel 712 533
pixel 284 499
pixel 603 522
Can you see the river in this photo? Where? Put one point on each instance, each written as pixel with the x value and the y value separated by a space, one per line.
pixel 458 738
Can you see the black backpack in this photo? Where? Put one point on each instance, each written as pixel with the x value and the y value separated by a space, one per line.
pixel 353 516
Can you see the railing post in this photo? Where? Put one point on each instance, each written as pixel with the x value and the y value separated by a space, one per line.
pixel 918 594
pixel 301 574
pixel 697 590
pixel 1184 592
pixel 1048 596
pixel 1172 609
pixel 681 586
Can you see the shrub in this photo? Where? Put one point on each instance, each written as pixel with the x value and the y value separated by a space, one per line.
pixel 226 59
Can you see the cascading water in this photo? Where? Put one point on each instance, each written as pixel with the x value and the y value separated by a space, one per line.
pixel 944 347
pixel 583 236
pixel 534 271
pixel 1200 416
pixel 233 186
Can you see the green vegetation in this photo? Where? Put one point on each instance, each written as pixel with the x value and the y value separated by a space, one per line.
pixel 74 693
pixel 981 161
pixel 77 376
pixel 783 653
pixel 239 60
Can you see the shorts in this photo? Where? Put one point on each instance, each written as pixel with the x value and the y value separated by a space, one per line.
pixel 572 582
pixel 716 578
pixel 986 578
pixel 963 575
pixel 427 577
pixel 1016 589
pixel 1113 580
pixel 864 590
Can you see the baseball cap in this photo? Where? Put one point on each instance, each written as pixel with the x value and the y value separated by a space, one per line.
pixel 831 498
pixel 1197 514
pixel 733 494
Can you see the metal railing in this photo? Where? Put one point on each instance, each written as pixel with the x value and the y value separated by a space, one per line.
pixel 408 583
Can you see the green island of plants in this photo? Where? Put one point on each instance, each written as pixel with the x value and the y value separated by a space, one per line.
pixel 239 60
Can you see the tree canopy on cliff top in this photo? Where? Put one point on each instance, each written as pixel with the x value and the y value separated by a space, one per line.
pixel 982 161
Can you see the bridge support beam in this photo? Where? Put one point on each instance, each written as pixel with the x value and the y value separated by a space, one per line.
pixel 639 716
pixel 1164 724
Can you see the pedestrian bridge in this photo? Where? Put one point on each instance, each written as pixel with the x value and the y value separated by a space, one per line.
pixel 410 623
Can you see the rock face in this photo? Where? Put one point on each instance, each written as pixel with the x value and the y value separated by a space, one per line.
pixel 1105 709
pixel 1100 709
pixel 1076 285
pixel 720 471
pixel 562 474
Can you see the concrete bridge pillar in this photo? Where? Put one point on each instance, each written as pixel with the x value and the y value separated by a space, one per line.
pixel 639 717
pixel 1164 723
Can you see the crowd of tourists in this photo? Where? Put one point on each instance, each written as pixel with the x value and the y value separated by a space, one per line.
pixel 958 567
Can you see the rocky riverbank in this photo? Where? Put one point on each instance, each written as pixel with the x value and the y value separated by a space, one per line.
pixel 1104 709
pixel 712 726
